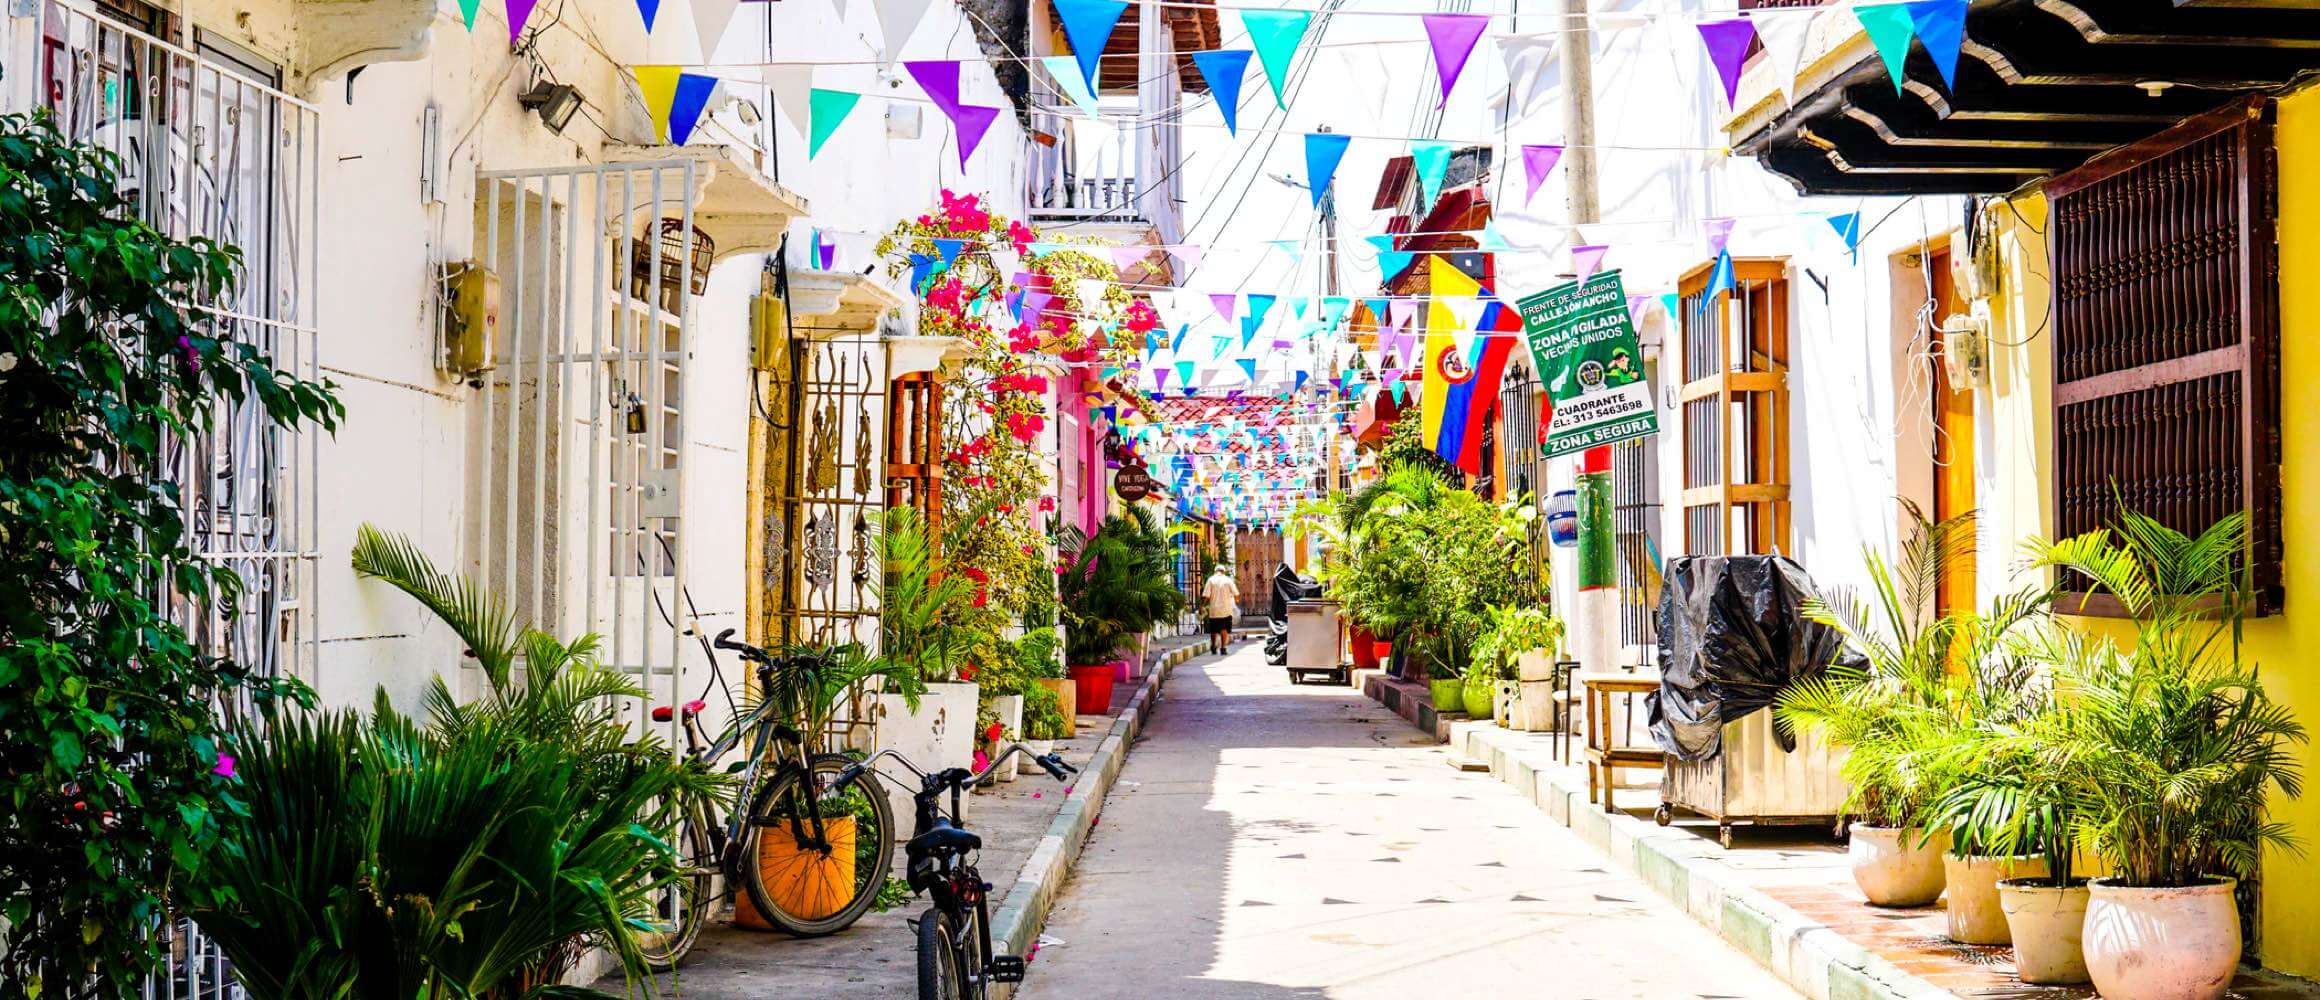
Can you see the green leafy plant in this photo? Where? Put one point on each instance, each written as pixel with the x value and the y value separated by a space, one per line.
pixel 2170 745
pixel 1114 584
pixel 118 768
pixel 921 602
pixel 1512 631
pixel 1043 716
pixel 1929 679
pixel 379 859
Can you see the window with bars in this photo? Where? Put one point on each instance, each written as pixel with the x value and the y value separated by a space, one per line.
pixel 2166 335
pixel 1735 409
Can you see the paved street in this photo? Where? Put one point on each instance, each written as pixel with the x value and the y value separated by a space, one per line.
pixel 1268 840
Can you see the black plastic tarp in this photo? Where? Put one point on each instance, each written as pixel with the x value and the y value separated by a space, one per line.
pixel 1288 585
pixel 1732 634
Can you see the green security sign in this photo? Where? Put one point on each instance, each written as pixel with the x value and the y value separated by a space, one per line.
pixel 1583 346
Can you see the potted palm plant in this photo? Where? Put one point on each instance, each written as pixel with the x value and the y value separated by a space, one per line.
pixel 1925 679
pixel 920 605
pixel 2174 748
pixel 2013 802
pixel 1112 588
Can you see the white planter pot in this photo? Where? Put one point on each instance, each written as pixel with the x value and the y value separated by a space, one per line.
pixel 1897 870
pixel 1010 710
pixel 940 734
pixel 2161 944
pixel 1534 707
pixel 1972 885
pixel 2045 923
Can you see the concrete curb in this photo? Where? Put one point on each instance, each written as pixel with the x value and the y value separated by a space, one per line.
pixel 1016 923
pixel 1411 700
pixel 1817 961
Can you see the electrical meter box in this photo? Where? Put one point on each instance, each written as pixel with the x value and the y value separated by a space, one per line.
pixel 769 326
pixel 471 327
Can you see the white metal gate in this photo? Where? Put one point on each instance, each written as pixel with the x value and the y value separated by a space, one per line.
pixel 581 430
pixel 209 147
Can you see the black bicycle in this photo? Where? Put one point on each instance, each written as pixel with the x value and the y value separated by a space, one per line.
pixel 834 829
pixel 954 935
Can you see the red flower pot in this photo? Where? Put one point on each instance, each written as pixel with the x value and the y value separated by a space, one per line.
pixel 1092 687
pixel 1364 649
pixel 1382 650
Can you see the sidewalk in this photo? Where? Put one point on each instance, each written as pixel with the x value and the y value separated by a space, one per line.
pixel 1031 830
pixel 1784 895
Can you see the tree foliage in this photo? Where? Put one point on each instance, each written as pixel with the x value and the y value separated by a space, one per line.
pixel 118 773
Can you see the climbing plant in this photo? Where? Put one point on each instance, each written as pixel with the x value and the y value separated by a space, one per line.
pixel 116 770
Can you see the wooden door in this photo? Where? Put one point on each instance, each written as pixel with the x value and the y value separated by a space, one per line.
pixel 1953 442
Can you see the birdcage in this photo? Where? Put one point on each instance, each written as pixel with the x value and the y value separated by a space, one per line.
pixel 683 262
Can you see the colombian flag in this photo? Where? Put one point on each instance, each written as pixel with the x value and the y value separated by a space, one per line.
pixel 1461 386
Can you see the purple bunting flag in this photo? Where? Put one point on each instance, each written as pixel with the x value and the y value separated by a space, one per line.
pixel 1727 43
pixel 1537 161
pixel 1452 37
pixel 973 120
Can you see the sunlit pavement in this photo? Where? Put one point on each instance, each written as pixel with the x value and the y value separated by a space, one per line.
pixel 1276 840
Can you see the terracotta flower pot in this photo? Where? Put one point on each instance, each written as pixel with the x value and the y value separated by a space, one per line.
pixel 2045 923
pixel 1972 885
pixel 1066 696
pixel 2161 944
pixel 1093 682
pixel 1895 867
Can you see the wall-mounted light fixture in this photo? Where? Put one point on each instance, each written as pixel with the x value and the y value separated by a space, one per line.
pixel 556 103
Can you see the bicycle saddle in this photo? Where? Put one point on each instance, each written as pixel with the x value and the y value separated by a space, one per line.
pixel 660 713
pixel 944 840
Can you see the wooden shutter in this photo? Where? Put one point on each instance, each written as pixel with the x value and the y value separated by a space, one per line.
pixel 2166 335
pixel 1735 409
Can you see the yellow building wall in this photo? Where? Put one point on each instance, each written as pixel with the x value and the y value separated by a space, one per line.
pixel 2018 504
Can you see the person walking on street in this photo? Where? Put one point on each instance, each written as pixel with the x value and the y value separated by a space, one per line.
pixel 1220 600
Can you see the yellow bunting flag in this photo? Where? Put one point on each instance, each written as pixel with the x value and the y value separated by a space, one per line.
pixel 658 84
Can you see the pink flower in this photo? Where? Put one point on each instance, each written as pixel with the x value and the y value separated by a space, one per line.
pixel 225 766
pixel 1025 426
pixel 1046 503
pixel 982 760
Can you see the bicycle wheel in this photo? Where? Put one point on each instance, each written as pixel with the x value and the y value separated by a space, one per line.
pixel 806 889
pixel 972 960
pixel 680 908
pixel 939 975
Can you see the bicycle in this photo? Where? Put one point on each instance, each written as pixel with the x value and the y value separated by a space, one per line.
pixel 954 934
pixel 833 812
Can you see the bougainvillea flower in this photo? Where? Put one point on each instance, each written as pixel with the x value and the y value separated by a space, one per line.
pixel 1046 503
pixel 982 596
pixel 225 766
pixel 976 575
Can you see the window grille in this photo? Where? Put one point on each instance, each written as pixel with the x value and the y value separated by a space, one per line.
pixel 2166 335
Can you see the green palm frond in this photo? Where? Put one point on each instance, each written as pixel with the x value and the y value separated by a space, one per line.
pixel 478 617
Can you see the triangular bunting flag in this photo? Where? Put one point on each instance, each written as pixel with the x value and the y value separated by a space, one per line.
pixel 1718 232
pixel 1452 37
pixel 1889 29
pixel 1492 239
pixel 940 79
pixel 973 121
pixel 710 19
pixel 1187 255
pixel 897 19
pixel 518 11
pixel 1126 257
pixel 650 10
pixel 1065 72
pixel 1259 305
pixel 792 88
pixel 949 249
pixel 1248 368
pixel 1537 161
pixel 1848 227
pixel 467 12
pixel 1720 279
pixel 826 109
pixel 1224 69
pixel 1586 260
pixel 1088 24
pixel 1727 43
pixel 1941 27
pixel 1323 150
pixel 1225 303
pixel 1431 162
pixel 685 106
pixel 1276 34
pixel 1527 58
pixel 658 86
